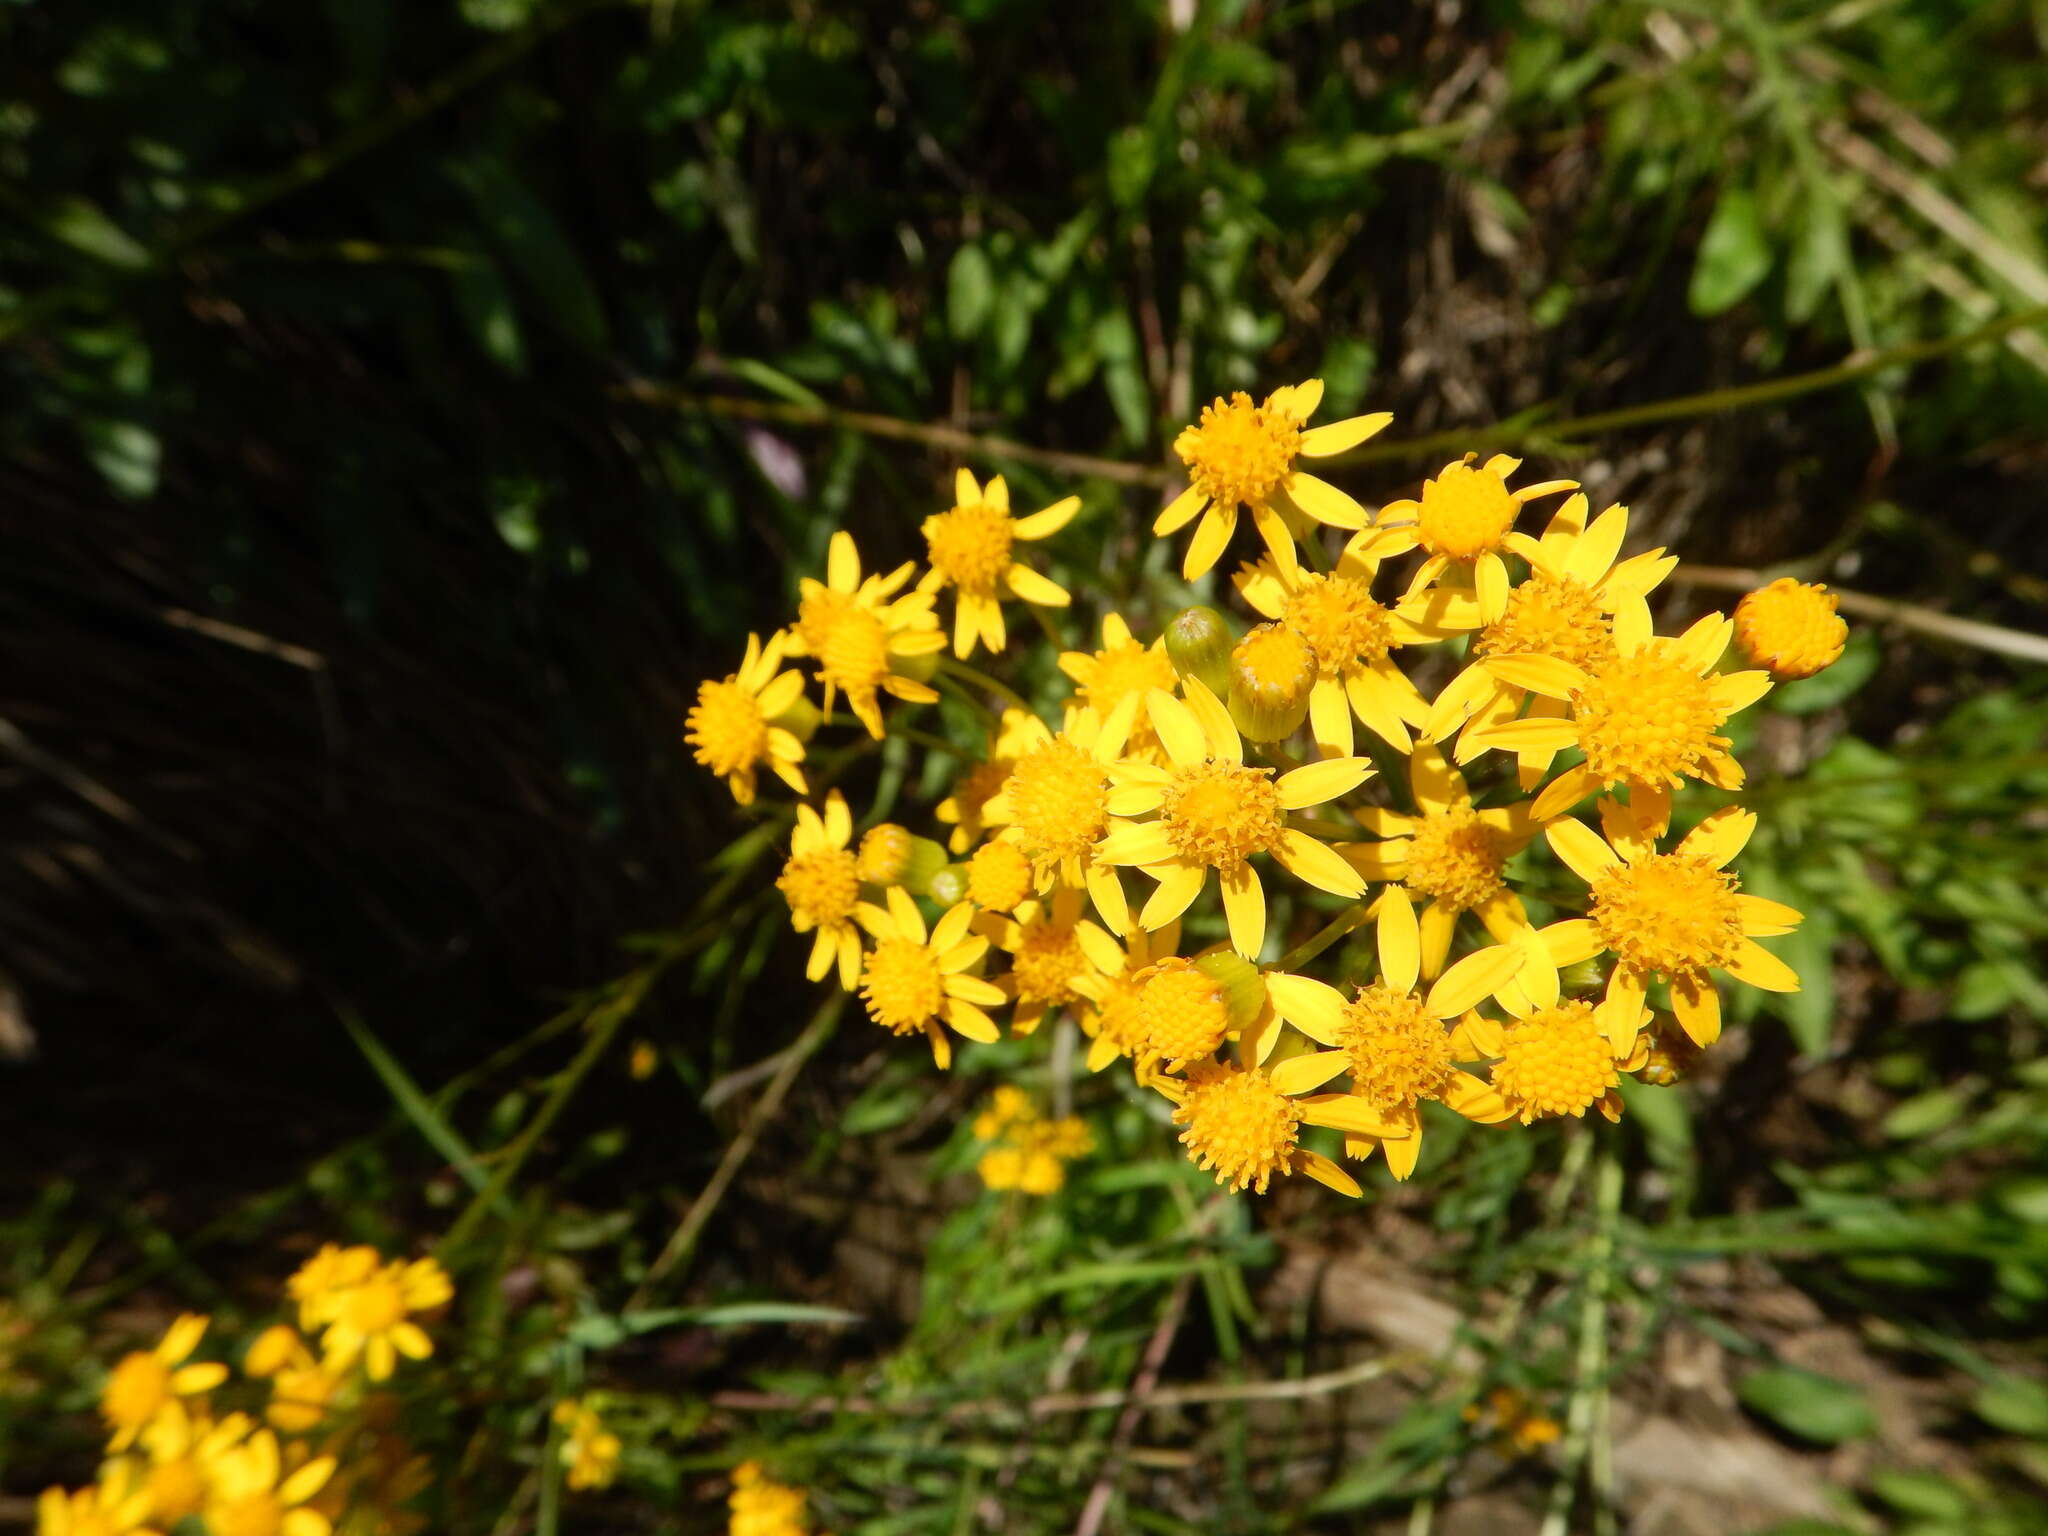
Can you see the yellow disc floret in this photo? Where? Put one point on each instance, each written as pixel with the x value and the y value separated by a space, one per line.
pixel 1239 452
pixel 998 876
pixel 1341 621
pixel 1671 913
pixel 848 638
pixel 1221 813
pixel 822 887
pixel 1466 511
pixel 726 727
pixel 1552 616
pixel 885 854
pixel 1400 1053
pixel 970 546
pixel 1059 795
pixel 1555 1062
pixel 1791 630
pixel 1047 959
pixel 1649 718
pixel 1455 858
pixel 902 986
pixel 1118 1017
pixel 1118 671
pixel 1183 1014
pixel 1238 1124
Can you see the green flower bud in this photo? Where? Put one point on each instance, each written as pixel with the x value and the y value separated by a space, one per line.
pixel 1271 672
pixel 1198 641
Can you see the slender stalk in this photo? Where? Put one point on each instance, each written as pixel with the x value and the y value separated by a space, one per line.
pixel 1928 621
pixel 1589 1372
pixel 981 680
pixel 1335 929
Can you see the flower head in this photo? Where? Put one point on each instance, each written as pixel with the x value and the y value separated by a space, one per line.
pixel 1241 454
pixel 372 1320
pixel 763 1507
pixel 117 1505
pixel 181 1451
pixel 1053 952
pixel 255 1495
pixel 963 809
pixel 588 1450
pixel 916 978
pixel 732 725
pixel 1032 1149
pixel 146 1383
pixel 1113 1020
pixel 821 883
pixel 969 547
pixel 1790 630
pixel 1238 1124
pixel 856 631
pixel 1123 668
pixel 1056 800
pixel 1462 523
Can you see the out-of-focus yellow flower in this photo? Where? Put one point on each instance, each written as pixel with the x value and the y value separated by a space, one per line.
pixel 316 1283
pixel 856 631
pixel 821 883
pixel 254 1494
pixel 732 725
pixel 589 1450
pixel 1790 630
pixel 1032 1151
pixel 1448 854
pixel 1677 916
pixel 916 978
pixel 147 1382
pixel 1462 523
pixel 1242 455
pixel 302 1390
pixel 181 1450
pixel 1054 951
pixel 761 1506
pixel 1214 812
pixel 117 1505
pixel 1516 1425
pixel 372 1320
pixel 969 547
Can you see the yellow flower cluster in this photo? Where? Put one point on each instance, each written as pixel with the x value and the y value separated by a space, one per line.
pixel 314 1452
pixel 1031 1151
pixel 589 1450
pixel 761 1506
pixel 1516 673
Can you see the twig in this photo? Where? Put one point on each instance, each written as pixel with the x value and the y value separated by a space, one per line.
pixel 1987 637
pixel 684 1239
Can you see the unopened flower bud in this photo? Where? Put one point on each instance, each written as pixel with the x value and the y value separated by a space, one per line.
pixel 1271 672
pixel 892 855
pixel 949 886
pixel 1243 984
pixel 801 719
pixel 1198 641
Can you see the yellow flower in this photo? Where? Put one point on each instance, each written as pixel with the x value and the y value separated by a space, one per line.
pixel 1215 812
pixel 1352 637
pixel 182 1450
pixel 1056 800
pixel 147 1382
pixel 1391 1040
pixel 1517 1426
pixel 1124 667
pixel 732 727
pixel 1570 607
pixel 1790 630
pixel 1673 916
pixel 1242 454
pixel 1113 1020
pixel 316 1283
pixel 821 883
pixel 1033 1151
pixel 372 1320
pixel 917 978
pixel 643 1060
pixel 1462 521
pixel 301 1389
pixel 253 1495
pixel 588 1450
pixel 117 1505
pixel 856 630
pixel 969 548
pixel 1649 719
pixel 962 810
pixel 1239 1124
pixel 763 1507
pixel 1053 951
pixel 1449 854
pixel 999 877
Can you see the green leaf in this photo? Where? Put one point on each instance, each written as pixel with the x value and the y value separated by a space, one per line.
pixel 416 1106
pixel 603 1331
pixel 126 453
pixel 1920 1493
pixel 1131 163
pixel 2016 1404
pixel 1663 1117
pixel 81 225
pixel 970 292
pixel 1818 257
pixel 523 228
pixel 485 304
pixel 1734 255
pixel 1811 1406
pixel 1925 1113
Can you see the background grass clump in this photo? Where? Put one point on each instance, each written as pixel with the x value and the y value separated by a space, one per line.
pixel 403 406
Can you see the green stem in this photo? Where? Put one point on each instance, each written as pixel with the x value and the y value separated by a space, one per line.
pixel 1335 929
pixel 982 680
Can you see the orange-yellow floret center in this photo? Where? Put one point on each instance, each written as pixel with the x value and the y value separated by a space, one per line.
pixel 1552 616
pixel 1341 621
pixel 1059 798
pixel 970 546
pixel 1182 1012
pixel 1466 511
pixel 848 638
pixel 1273 667
pixel 821 887
pixel 1790 628
pixel 176 1489
pixel 1238 1124
pixel 1118 1017
pixel 902 985
pixel 1455 858
pixel 1555 1062
pixel 998 876
pixel 1399 1053
pixel 726 727
pixel 1672 913
pixel 1239 452
pixel 374 1306
pixel 1649 718
pixel 1121 670
pixel 1048 958
pixel 1220 813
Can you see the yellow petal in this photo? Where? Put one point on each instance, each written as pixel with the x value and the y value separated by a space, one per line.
pixel 1320 782
pixel 1326 1173
pixel 1571 941
pixel 1762 918
pixel 1698 1007
pixel 1738 690
pixel 1435 784
pixel 1340 436
pixel 1479 975
pixel 1490 584
pixel 951 928
pixel 1329 717
pixel 970 1023
pixel 1206 547
pixel 842 563
pixel 1474 1100
pixel 1244 909
pixel 1347 1112
pixel 1136 842
pixel 1107 892
pixel 1298 400
pixel 1179 885
pixel 1214 719
pixel 1530 735
pixel 1041 525
pixel 1564 792
pixel 1539 674
pixel 1034 588
pixel 1593 551
pixel 1581 848
pixel 1316 864
pixel 1720 836
pixel 966 491
pixel 1323 501
pixel 1177 728
pixel 1313 1007
pixel 1403 1153
pixel 1305 1074
pixel 1760 968
pixel 1400 940
pixel 909 921
pixel 1179 512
